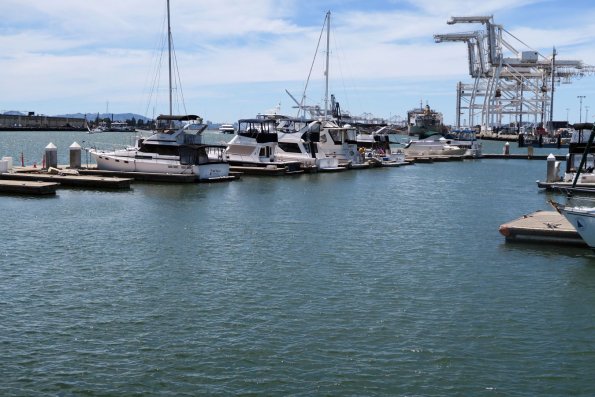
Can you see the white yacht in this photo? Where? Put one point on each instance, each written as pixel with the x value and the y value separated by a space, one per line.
pixel 434 146
pixel 466 138
pixel 375 146
pixel 176 147
pixel 255 145
pixel 340 142
pixel 120 126
pixel 321 143
pixel 298 141
pixel 227 128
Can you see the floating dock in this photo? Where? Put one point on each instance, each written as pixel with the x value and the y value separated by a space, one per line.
pixel 435 158
pixel 79 181
pixel 28 187
pixel 155 177
pixel 566 187
pixel 272 171
pixel 521 157
pixel 542 227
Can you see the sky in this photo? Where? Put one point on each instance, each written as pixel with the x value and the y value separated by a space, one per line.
pixel 237 58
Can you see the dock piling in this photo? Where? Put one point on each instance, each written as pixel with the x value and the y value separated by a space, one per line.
pixel 553 168
pixel 51 156
pixel 75 155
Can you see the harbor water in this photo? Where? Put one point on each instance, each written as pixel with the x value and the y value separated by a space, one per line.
pixel 387 281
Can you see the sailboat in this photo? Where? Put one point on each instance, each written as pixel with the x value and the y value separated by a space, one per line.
pixel 175 147
pixel 332 145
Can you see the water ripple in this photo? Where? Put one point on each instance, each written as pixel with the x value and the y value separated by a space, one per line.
pixel 379 282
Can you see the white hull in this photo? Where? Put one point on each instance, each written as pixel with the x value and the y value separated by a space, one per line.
pixel 433 148
pixel 127 161
pixel 327 163
pixel 583 219
pixel 255 145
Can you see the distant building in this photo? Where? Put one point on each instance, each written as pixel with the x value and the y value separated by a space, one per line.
pixel 30 121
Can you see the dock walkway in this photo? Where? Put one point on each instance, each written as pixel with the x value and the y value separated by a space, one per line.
pixel 542 227
pixel 28 187
pixel 80 181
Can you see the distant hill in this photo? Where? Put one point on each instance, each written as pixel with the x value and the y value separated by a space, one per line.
pixel 114 116
pixel 93 116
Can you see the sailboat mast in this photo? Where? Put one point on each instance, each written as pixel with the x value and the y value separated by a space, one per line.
pixel 328 35
pixel 169 58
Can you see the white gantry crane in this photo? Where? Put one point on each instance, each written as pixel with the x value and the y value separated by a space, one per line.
pixel 511 86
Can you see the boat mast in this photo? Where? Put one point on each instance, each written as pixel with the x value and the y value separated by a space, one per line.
pixel 169 57
pixel 328 35
pixel 551 128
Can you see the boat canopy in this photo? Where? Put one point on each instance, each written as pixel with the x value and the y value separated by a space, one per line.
pixel 257 121
pixel 185 117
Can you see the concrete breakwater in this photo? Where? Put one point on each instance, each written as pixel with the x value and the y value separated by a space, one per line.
pixel 33 122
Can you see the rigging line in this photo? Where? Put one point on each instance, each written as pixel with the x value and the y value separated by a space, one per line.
pixel 153 98
pixel 157 61
pixel 341 52
pixel 522 42
pixel 301 104
pixel 178 79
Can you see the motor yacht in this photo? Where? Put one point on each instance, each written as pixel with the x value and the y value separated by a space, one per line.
pixel 176 147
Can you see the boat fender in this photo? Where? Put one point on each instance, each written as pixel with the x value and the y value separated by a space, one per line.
pixel 504 231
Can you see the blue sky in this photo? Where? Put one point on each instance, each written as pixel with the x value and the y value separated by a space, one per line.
pixel 236 58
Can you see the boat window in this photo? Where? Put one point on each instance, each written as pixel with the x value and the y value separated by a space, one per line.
pixel 336 135
pixel 265 151
pixel 188 156
pixel 193 139
pixel 203 157
pixel 159 149
pixel 311 136
pixel 289 147
pixel 351 135
pixel 240 150
pixel 315 127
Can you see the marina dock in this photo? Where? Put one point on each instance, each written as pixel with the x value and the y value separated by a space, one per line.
pixel 542 227
pixel 521 156
pixel 272 171
pixel 435 158
pixel 154 177
pixel 566 187
pixel 28 187
pixel 79 181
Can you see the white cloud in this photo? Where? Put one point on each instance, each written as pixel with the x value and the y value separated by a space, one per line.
pixel 63 55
